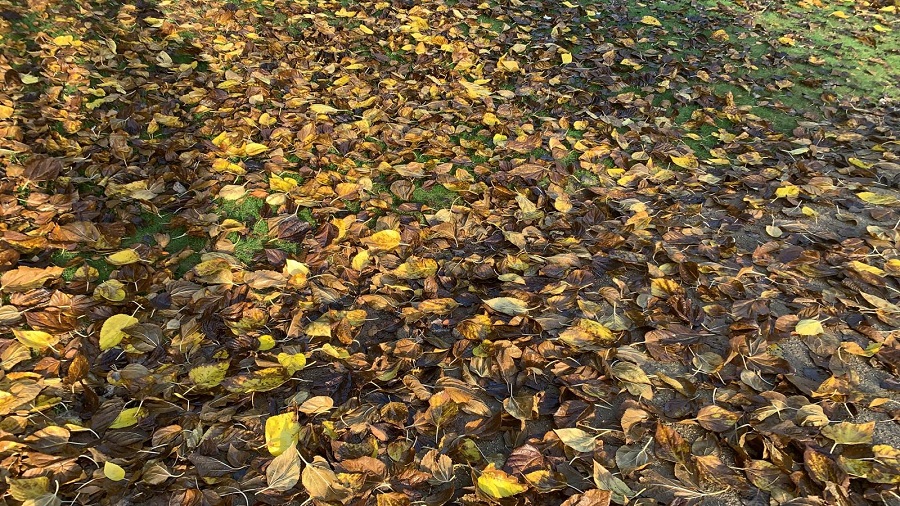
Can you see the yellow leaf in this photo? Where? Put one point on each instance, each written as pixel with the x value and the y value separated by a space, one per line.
pixel 490 119
pixel 113 471
pixel 35 338
pixel 496 484
pixel 720 35
pixel 880 28
pixel 209 375
pixel 112 331
pixel 809 328
pixel 124 257
pixel 25 489
pixel 266 342
pixel 282 431
pixel 588 335
pixel 63 40
pixel 566 58
pixel 509 65
pixel 318 328
pixel 128 417
pixel 879 199
pixel 293 362
pixel 789 191
pixel 787 40
pixel 262 380
pixel 29 79
pixel 416 268
pixel 862 267
pixel 651 21
pixel 856 162
pixel 365 29
pixel 293 267
pixel 111 289
pixel 232 191
pixel 839 14
pixel 508 305
pixel 808 211
pixel 323 109
pixel 255 148
pixel 361 260
pixel 688 161
pixel 385 240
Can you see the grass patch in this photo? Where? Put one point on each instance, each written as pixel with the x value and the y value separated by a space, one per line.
pixel 243 210
pixel 436 197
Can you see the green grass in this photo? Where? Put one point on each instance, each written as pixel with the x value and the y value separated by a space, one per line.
pixel 435 197
pixel 244 210
pixel 151 224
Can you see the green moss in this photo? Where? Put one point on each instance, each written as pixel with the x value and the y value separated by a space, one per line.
pixel 187 264
pixel 306 215
pixel 286 246
pixel 435 197
pixel 246 248
pixel 244 210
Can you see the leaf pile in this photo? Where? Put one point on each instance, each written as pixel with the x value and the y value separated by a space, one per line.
pixel 441 252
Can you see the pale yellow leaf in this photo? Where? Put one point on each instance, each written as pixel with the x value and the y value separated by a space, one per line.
pixel 35 339
pixel 113 330
pixel 113 471
pixel 809 328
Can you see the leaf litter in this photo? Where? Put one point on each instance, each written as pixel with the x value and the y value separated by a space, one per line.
pixel 471 253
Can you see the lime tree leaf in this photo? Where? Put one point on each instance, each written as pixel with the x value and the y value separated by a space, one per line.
pixel 283 472
pixel 281 432
pixel 848 433
pixel 35 339
pixel 508 305
pixel 576 439
pixel 496 484
pixel 809 328
pixel 321 483
pixel 113 330
pixel 113 471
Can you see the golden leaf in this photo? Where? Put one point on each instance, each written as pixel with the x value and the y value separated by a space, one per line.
pixel 497 484
pixel 293 362
pixel 282 431
pixel 35 338
pixel 384 240
pixel 113 330
pixel 809 328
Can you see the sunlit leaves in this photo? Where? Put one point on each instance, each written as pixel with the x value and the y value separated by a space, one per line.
pixel 809 328
pixel 384 240
pixel 507 305
pixel 847 433
pixel 113 471
pixel 208 375
pixel 35 339
pixel 496 484
pixel 113 330
pixel 536 252
pixel 281 432
pixel 128 417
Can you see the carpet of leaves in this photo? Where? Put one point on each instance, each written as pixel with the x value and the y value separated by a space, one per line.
pixel 437 253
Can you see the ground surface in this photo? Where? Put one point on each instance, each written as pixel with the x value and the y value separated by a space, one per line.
pixel 449 252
